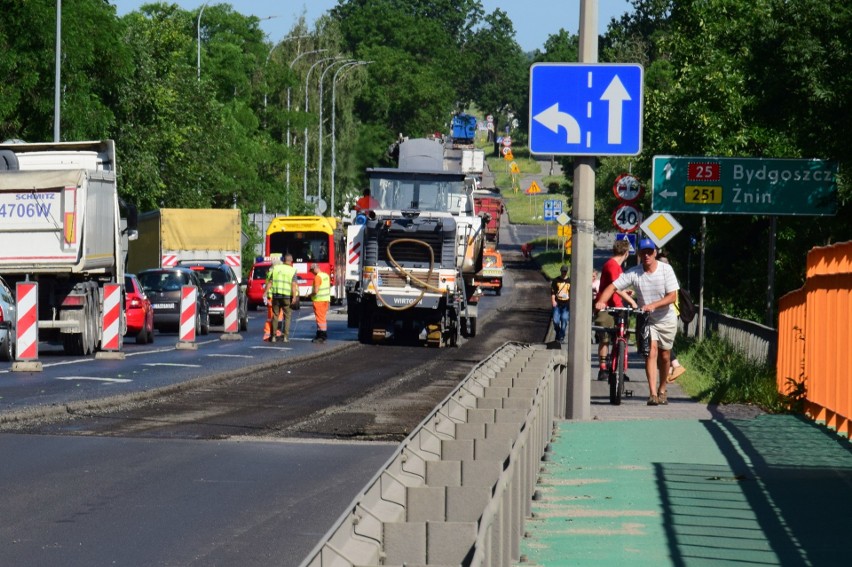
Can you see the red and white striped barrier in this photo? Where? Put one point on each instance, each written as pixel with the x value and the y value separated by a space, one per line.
pixel 27 322
pixel 231 308
pixel 112 317
pixel 111 337
pixel 188 295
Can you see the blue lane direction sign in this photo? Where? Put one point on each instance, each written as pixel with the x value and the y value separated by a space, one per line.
pixel 581 109
pixel 744 186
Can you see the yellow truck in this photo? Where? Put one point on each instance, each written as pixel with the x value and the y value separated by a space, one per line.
pixel 167 236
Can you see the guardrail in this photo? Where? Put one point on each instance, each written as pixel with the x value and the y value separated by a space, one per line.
pixel 757 342
pixel 814 337
pixel 457 490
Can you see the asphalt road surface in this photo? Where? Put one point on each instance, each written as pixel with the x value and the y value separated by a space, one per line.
pixel 244 468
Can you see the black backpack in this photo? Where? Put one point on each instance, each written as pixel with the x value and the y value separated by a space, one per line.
pixel 687 307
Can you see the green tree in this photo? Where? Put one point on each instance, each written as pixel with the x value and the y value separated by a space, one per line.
pixel 498 72
pixel 718 71
pixel 93 62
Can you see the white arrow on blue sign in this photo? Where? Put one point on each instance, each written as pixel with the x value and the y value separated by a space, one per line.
pixel 586 109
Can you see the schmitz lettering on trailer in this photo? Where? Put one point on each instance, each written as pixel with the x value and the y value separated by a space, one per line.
pixel 35 196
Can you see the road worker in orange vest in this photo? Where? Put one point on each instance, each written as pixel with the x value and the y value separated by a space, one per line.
pixel 321 298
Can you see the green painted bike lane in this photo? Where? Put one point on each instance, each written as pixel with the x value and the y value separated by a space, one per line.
pixel 768 490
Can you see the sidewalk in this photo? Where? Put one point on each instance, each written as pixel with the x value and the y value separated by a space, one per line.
pixel 688 484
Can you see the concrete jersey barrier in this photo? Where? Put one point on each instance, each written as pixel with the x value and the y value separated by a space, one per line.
pixel 457 490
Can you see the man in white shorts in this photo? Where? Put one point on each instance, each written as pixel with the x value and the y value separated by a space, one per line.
pixel 656 290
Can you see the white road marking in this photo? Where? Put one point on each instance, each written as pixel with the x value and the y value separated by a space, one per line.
pixel 95 378
pixel 171 364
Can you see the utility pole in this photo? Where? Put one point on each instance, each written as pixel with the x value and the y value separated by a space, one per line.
pixel 57 86
pixel 287 167
pixel 333 144
pixel 307 97
pixel 319 136
pixel 578 405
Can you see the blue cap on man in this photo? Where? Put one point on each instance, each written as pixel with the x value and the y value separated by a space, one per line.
pixel 647 244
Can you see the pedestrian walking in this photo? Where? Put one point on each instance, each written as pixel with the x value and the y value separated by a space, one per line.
pixel 283 291
pixel 321 297
pixel 656 290
pixel 560 294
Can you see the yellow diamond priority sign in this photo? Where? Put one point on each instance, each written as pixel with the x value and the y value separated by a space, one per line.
pixel 660 227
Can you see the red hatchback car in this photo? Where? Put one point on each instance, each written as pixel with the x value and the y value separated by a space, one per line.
pixel 137 308
pixel 256 281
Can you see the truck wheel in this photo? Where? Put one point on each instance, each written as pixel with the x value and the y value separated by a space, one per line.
pixel 471 327
pixel 7 353
pixel 72 344
pixel 365 327
pixel 8 160
pixel 244 317
pixel 90 335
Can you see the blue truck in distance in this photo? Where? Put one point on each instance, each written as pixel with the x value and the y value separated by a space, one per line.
pixel 464 128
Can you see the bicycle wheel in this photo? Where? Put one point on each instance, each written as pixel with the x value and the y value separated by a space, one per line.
pixel 616 377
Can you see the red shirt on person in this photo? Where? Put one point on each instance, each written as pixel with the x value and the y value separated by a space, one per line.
pixel 609 273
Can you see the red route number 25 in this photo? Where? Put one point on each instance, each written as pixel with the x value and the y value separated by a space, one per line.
pixel 703 171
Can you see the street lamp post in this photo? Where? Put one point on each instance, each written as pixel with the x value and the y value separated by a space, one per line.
pixel 56 85
pixel 349 65
pixel 198 36
pixel 319 137
pixel 293 62
pixel 307 83
pixel 265 63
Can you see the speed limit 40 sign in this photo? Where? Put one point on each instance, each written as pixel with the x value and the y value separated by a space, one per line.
pixel 626 218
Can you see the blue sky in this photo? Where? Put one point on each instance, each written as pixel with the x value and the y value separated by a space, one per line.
pixel 534 20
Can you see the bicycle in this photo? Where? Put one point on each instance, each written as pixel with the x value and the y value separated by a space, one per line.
pixel 616 362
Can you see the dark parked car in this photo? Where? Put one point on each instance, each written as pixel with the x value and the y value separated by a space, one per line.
pixel 162 286
pixel 7 322
pixel 214 275
pixel 137 307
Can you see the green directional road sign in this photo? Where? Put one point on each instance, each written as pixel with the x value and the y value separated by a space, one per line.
pixel 744 186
